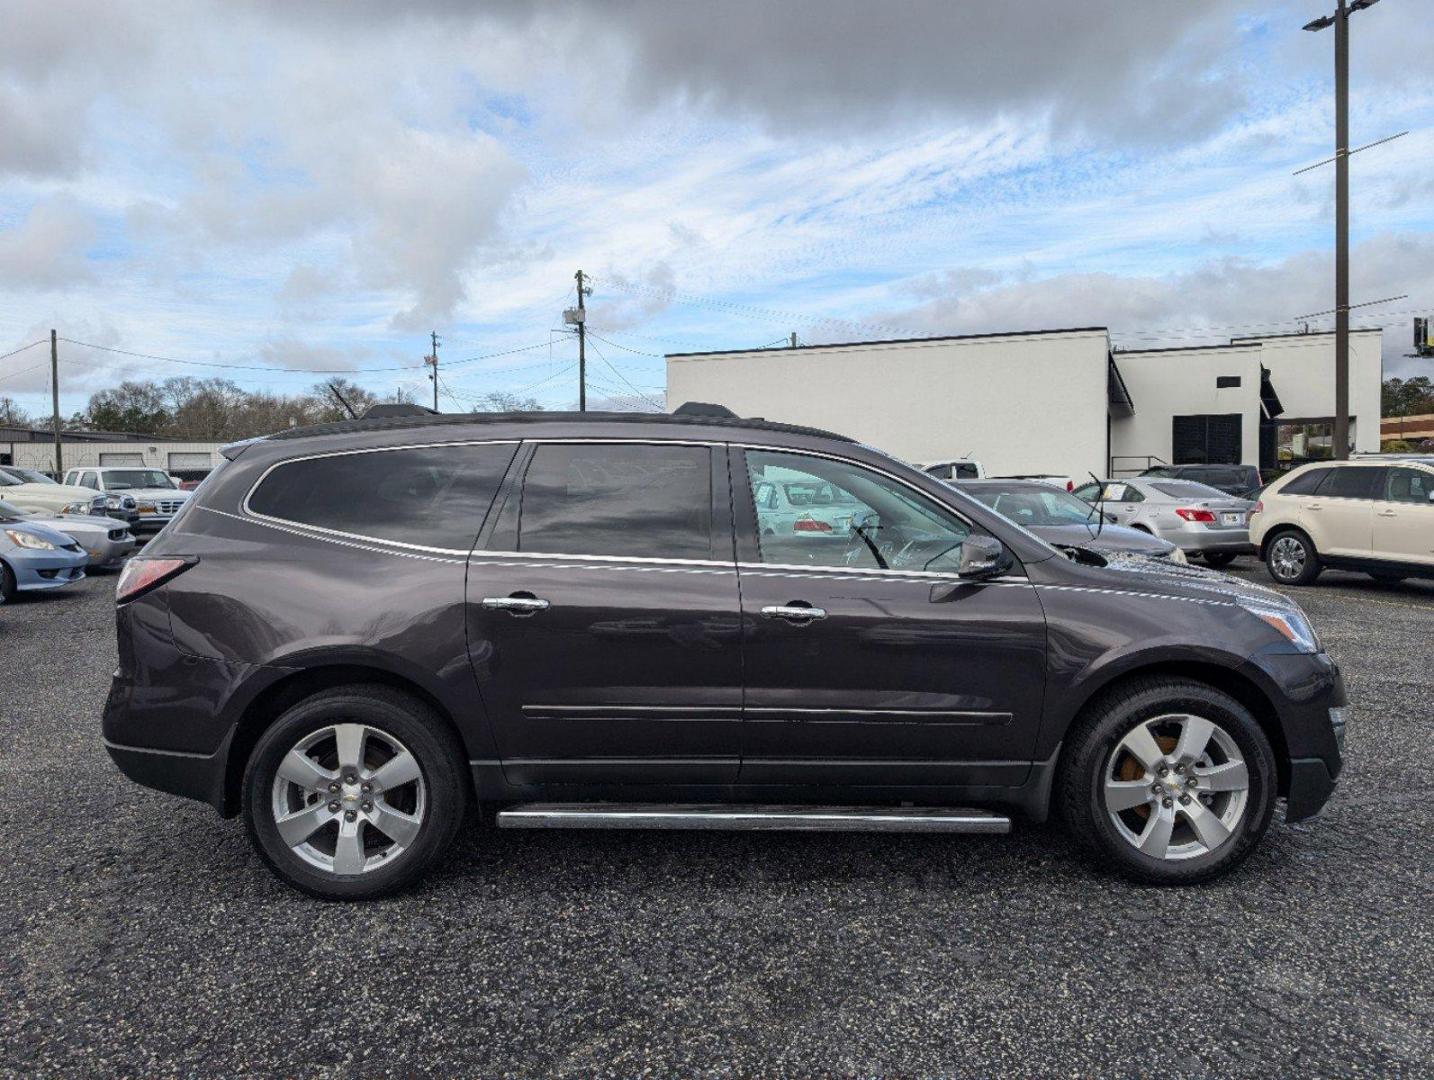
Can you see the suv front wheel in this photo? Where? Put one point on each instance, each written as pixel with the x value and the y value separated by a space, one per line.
pixel 1168 782
pixel 353 793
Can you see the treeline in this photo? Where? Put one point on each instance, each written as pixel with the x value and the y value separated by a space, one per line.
pixel 1408 397
pixel 217 410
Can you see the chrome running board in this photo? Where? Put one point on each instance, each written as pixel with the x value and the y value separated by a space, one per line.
pixel 904 819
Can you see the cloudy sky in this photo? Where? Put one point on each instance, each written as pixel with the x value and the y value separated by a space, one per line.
pixel 264 189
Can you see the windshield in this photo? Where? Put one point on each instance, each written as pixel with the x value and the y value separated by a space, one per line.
pixel 1188 489
pixel 125 479
pixel 9 512
pixel 28 476
pixel 1054 507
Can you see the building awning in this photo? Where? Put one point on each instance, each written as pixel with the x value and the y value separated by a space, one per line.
pixel 1116 393
pixel 1269 400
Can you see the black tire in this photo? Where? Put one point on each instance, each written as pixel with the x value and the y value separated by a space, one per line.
pixel 1217 559
pixel 1309 566
pixel 440 759
pixel 8 588
pixel 1093 740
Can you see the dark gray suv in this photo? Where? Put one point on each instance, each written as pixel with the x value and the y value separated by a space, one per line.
pixel 354 633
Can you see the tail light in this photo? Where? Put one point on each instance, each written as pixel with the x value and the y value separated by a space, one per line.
pixel 1070 485
pixel 1195 515
pixel 141 575
pixel 811 525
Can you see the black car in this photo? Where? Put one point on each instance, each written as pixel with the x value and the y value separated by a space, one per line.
pixel 354 632
pixel 1062 520
pixel 1238 480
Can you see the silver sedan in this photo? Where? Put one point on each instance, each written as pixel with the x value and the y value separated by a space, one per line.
pixel 106 541
pixel 1199 520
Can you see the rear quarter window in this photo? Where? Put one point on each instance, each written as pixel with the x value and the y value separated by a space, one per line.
pixel 1305 483
pixel 430 496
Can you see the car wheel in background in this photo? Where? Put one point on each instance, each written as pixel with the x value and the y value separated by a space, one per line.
pixel 1291 558
pixel 1167 781
pixel 353 793
pixel 1218 559
pixel 8 588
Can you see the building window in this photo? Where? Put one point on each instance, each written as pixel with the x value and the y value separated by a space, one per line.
pixel 1207 439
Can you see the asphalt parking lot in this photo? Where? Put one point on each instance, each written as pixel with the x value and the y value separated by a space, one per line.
pixel 142 937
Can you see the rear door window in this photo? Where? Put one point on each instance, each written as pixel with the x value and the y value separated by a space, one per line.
pixel 1350 483
pixel 430 496
pixel 648 500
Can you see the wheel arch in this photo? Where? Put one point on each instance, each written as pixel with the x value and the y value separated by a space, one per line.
pixel 1231 681
pixel 1274 532
pixel 275 699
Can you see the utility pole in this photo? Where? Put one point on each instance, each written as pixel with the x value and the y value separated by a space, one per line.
pixel 1340 21
pixel 794 340
pixel 55 402
pixel 582 346
pixel 1341 233
pixel 432 360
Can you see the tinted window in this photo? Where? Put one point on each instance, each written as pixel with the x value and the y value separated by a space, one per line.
pixel 871 521
pixel 941 472
pixel 1118 492
pixel 649 501
pixel 1409 485
pixel 1349 483
pixel 433 496
pixel 966 471
pixel 1305 483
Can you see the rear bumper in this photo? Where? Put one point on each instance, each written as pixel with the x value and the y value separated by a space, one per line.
pixel 1197 539
pixel 194 776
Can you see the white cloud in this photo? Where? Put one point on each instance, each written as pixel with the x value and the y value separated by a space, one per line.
pixel 46 250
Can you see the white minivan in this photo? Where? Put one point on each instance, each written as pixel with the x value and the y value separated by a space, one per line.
pixel 1368 514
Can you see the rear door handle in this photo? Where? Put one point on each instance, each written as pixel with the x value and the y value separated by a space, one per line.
pixel 800 613
pixel 1314 506
pixel 1389 513
pixel 518 603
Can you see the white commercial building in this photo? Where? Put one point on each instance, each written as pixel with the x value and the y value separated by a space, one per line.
pixel 35 449
pixel 1058 401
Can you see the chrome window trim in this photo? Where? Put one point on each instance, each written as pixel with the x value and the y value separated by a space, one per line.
pixel 787 569
pixel 319 532
pixel 344 539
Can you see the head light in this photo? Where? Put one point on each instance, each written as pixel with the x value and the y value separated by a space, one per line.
pixel 112 502
pixel 1291 624
pixel 26 540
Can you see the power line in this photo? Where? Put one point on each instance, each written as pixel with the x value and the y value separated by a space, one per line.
pixel 623 377
pixel 22 348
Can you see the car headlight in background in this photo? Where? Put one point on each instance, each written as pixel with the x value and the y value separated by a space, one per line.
pixel 1291 623
pixel 26 540
pixel 113 502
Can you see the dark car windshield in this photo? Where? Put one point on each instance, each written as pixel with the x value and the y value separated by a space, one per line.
pixel 1025 507
pixel 125 479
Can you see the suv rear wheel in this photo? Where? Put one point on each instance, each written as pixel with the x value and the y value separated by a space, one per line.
pixel 355 792
pixel 1168 781
pixel 1291 558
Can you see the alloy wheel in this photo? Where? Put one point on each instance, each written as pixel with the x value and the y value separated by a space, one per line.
pixel 349 799
pixel 1287 558
pixel 1176 787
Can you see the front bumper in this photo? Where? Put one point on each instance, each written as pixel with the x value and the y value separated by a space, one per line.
pixel 39 571
pixel 1310 701
pixel 108 554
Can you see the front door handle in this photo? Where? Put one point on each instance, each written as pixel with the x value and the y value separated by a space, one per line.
pixel 800 613
pixel 1314 506
pixel 518 603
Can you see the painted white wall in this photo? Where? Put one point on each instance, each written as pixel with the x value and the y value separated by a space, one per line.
pixel 1018 403
pixel 1302 370
pixel 1166 383
pixel 41 455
